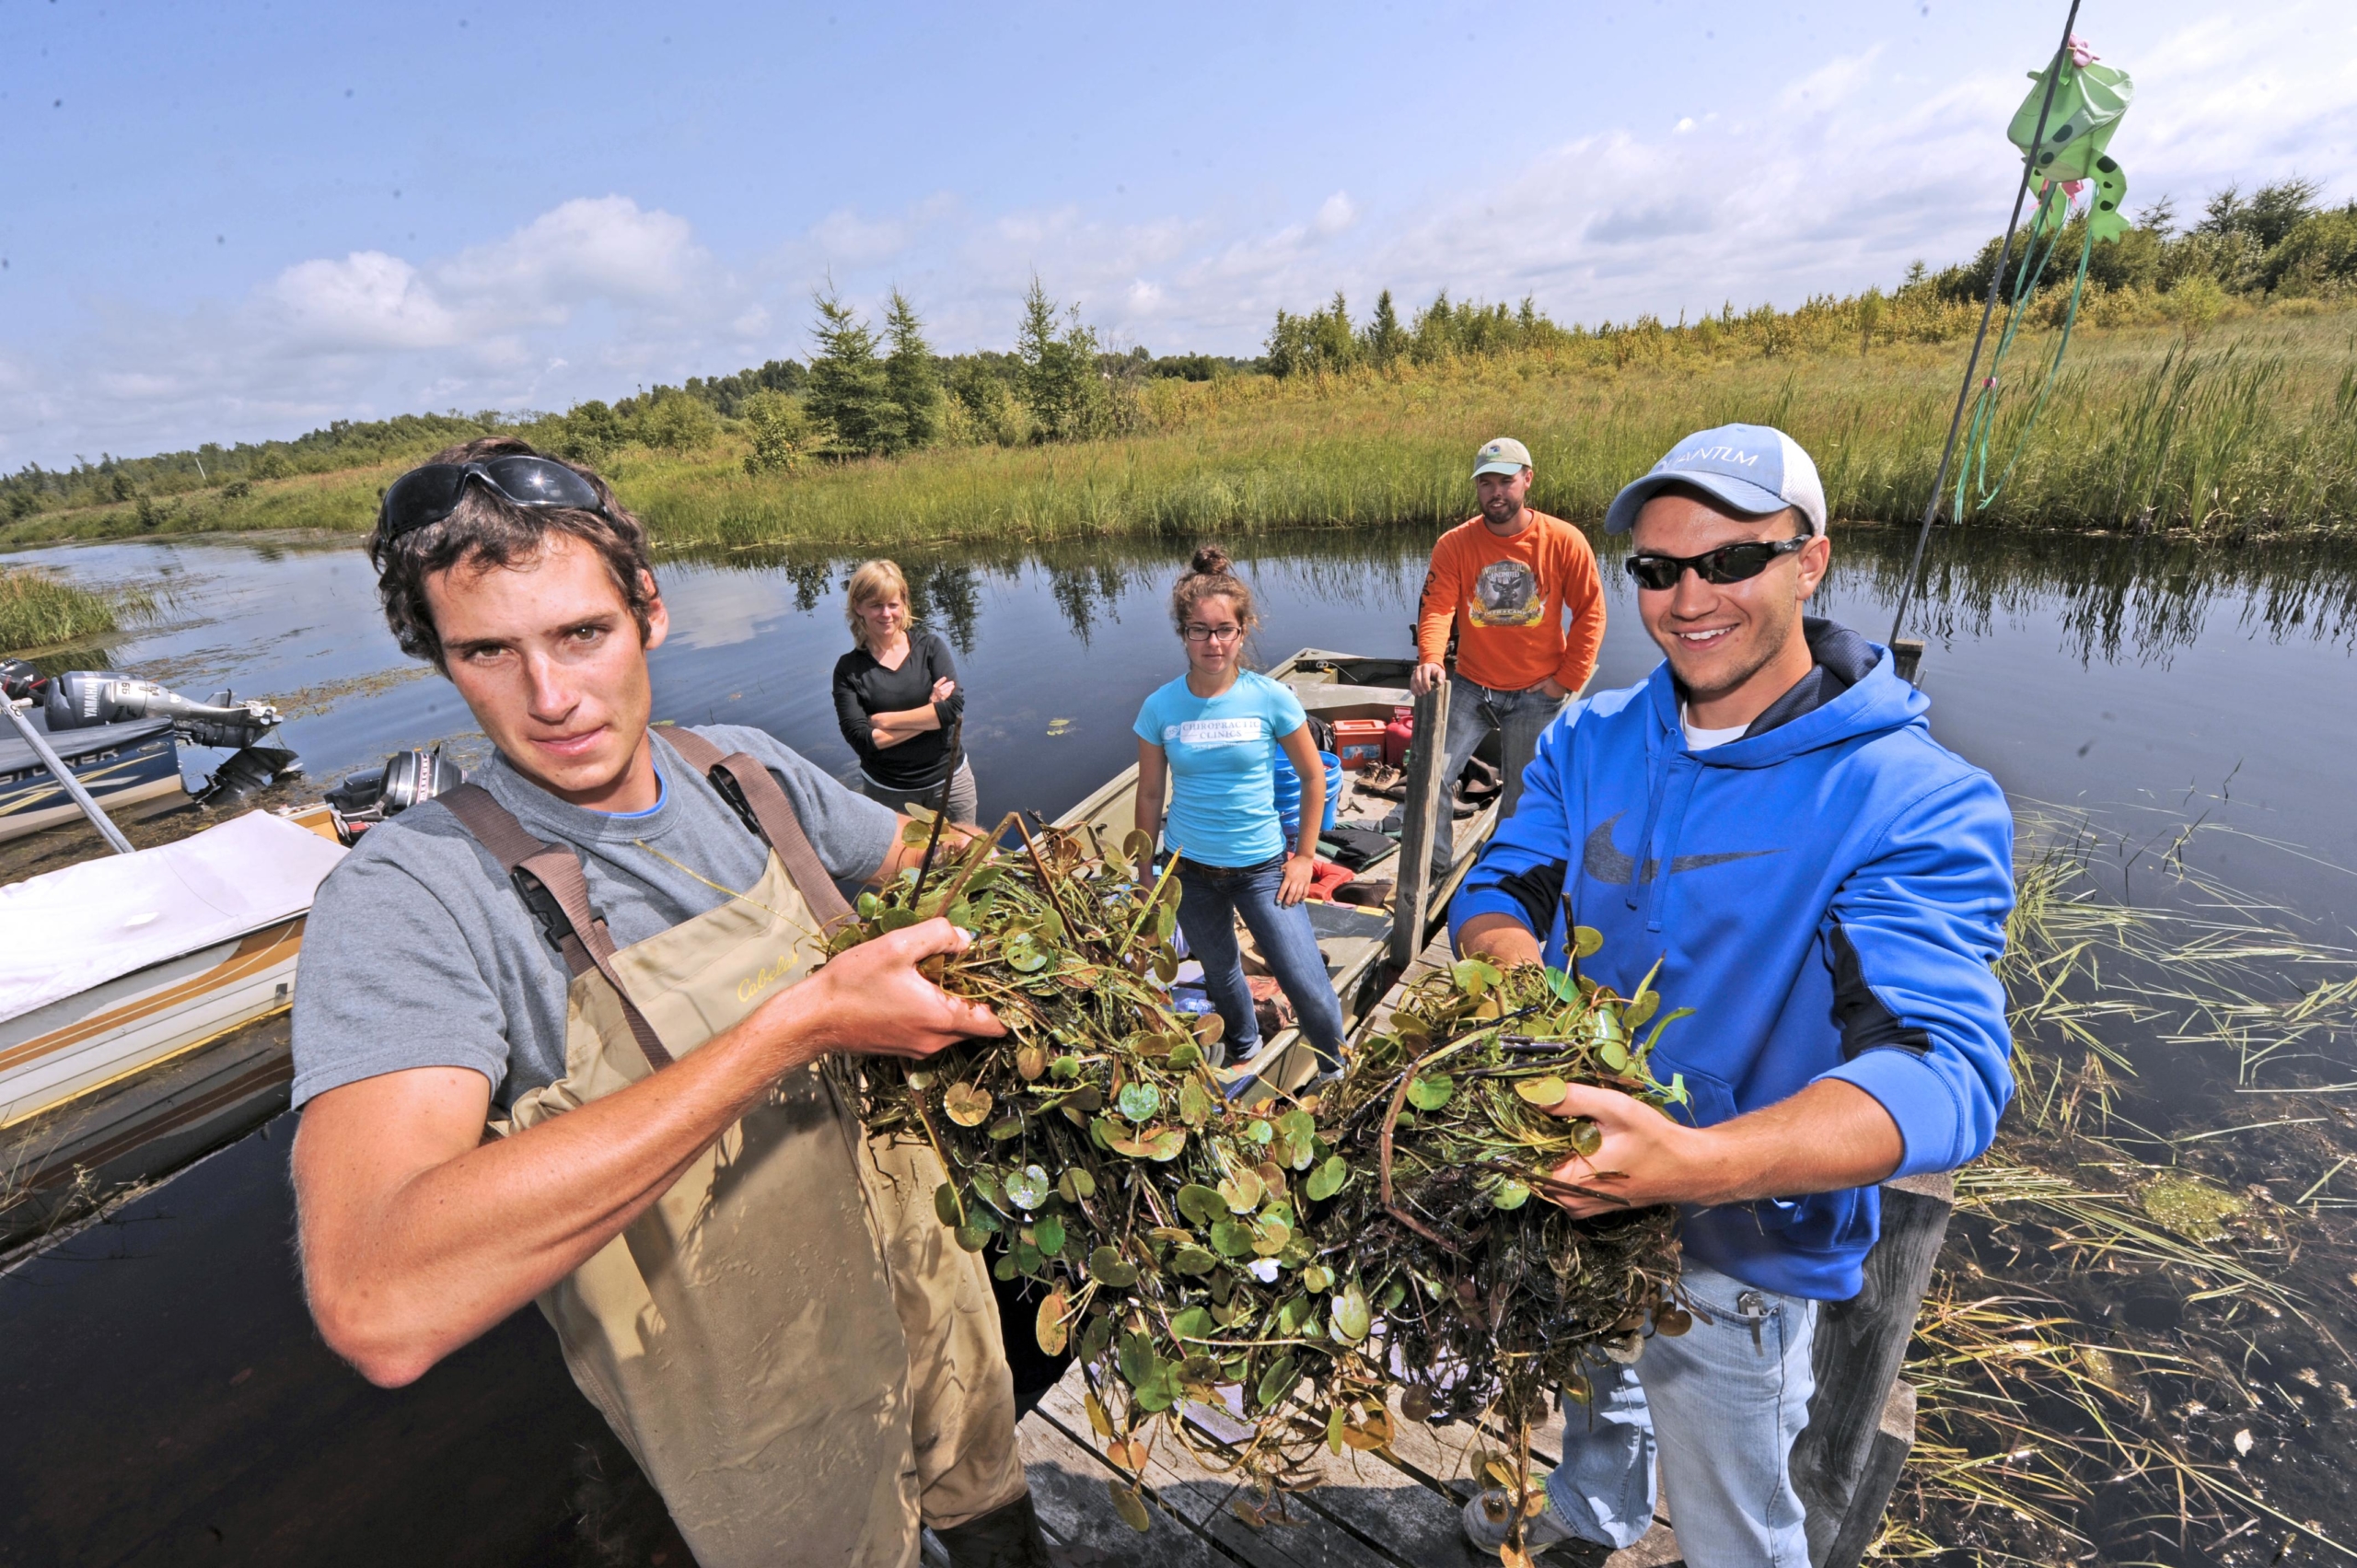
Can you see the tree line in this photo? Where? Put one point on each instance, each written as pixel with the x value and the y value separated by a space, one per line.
pixel 879 389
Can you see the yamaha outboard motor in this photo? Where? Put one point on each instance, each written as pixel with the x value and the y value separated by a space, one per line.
pixel 408 777
pixel 81 698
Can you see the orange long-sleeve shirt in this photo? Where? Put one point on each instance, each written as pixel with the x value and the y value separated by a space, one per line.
pixel 1509 598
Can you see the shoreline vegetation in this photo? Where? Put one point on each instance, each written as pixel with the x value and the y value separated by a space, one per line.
pixel 38 611
pixel 2210 390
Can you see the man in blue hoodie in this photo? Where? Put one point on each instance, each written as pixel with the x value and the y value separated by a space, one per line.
pixel 1768 816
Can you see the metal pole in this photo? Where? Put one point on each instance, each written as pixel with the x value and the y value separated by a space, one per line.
pixel 65 776
pixel 1419 821
pixel 1988 308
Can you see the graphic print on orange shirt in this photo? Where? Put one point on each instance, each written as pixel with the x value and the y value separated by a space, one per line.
pixel 1506 593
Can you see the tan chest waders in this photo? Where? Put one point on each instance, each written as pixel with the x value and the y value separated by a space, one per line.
pixel 794 1348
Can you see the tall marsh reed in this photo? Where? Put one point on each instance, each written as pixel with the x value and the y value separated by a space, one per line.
pixel 2249 428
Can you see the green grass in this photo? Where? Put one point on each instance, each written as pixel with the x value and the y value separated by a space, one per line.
pixel 2248 427
pixel 38 611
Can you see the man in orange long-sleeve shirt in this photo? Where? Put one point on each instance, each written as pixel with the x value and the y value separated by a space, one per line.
pixel 1510 579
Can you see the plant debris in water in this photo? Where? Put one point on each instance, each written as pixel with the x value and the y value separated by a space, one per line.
pixel 1286 1262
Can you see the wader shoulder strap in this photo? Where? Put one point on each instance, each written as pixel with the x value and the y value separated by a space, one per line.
pixel 553 887
pixel 749 788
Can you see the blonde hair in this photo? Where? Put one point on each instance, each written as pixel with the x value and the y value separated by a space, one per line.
pixel 875 581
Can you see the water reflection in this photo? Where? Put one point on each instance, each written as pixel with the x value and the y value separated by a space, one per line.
pixel 2116 597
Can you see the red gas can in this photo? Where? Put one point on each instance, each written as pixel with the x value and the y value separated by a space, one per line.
pixel 1396 736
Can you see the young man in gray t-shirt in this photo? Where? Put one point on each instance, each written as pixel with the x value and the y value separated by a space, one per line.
pixel 432 999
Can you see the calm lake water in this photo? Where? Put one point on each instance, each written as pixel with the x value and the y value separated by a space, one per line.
pixel 164 1398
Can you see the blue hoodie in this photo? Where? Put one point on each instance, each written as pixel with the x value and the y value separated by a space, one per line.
pixel 1828 893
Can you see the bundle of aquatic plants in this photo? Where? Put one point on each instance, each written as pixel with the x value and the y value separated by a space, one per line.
pixel 1165 1221
pixel 1288 1262
pixel 1488 1294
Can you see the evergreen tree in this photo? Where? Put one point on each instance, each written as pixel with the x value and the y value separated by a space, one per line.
pixel 846 391
pixel 1387 340
pixel 911 378
pixel 1060 380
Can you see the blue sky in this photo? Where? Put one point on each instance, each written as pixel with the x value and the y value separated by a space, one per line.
pixel 234 220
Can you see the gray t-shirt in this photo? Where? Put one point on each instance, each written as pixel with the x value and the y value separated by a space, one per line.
pixel 420 954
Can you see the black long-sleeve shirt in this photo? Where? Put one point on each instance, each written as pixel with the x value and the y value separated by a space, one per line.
pixel 864 688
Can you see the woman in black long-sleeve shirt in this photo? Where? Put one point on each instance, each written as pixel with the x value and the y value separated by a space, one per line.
pixel 897 696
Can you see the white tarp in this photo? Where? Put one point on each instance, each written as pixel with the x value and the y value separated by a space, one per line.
pixel 67 931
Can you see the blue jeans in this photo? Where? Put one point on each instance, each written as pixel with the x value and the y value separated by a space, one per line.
pixel 1209 898
pixel 1473 712
pixel 1726 1400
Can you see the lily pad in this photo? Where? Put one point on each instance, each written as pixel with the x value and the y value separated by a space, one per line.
pixel 1546 1092
pixel 1049 1233
pixel 944 1204
pixel 1586 941
pixel 1194 1103
pixel 1232 1237
pixel 1193 1260
pixel 1049 1328
pixel 1351 1316
pixel 1241 1192
pixel 1430 1091
pixel 1318 1277
pixel 1201 1204
pixel 1277 1381
pixel 1193 1323
pixel 1031 1062
pixel 1076 1184
pixel 1327 1178
pixel 1108 1268
pixel 1029 1187
pixel 1139 1103
pixel 1510 1194
pixel 968 1106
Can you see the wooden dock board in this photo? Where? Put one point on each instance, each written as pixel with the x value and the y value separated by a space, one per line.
pixel 1394 1509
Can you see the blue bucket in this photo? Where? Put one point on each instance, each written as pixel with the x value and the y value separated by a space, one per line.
pixel 1288 794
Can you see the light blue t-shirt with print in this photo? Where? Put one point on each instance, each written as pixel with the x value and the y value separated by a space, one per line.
pixel 1223 799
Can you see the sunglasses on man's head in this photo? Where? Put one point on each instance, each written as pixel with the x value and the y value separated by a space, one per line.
pixel 425 495
pixel 1728 563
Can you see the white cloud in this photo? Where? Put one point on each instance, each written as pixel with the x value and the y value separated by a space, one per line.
pixel 368 300
pixel 1835 181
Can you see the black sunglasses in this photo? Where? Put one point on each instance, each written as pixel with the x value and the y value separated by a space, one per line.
pixel 426 495
pixel 1728 563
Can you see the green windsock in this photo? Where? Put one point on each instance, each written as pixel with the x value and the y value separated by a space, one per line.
pixel 2089 98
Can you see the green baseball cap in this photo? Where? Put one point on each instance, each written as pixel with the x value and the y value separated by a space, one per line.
pixel 1505 455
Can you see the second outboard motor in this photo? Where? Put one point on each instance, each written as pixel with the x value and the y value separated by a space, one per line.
pixel 407 778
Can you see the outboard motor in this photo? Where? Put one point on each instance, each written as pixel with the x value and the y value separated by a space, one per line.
pixel 407 778
pixel 82 698
pixel 19 681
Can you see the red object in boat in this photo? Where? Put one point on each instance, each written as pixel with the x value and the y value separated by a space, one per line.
pixel 1397 735
pixel 1358 742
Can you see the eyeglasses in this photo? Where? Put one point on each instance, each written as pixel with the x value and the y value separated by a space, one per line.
pixel 1728 563
pixel 1198 634
pixel 426 495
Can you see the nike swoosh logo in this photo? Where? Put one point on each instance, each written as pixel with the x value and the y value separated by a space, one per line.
pixel 1603 861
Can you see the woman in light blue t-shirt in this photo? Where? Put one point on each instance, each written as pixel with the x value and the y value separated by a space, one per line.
pixel 1215 733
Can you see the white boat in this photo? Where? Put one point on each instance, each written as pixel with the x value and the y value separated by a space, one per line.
pixel 110 967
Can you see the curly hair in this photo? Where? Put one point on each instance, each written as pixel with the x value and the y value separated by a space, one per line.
pixel 486 531
pixel 1211 576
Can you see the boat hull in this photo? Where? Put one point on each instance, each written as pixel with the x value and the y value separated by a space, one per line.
pixel 81 1043
pixel 119 765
